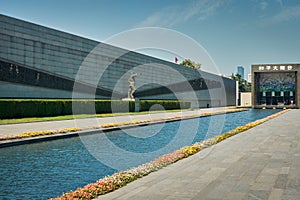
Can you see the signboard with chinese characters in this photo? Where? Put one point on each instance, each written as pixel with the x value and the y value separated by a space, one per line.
pixel 275 68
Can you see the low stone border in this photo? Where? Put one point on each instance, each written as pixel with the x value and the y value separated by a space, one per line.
pixel 120 179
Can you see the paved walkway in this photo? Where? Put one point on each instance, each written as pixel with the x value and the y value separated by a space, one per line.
pixel 261 163
pixel 12 129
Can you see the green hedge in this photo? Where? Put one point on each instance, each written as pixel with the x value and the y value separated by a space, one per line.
pixel 42 108
pixel 146 105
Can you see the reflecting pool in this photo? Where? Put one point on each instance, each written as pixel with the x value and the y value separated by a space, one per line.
pixel 47 169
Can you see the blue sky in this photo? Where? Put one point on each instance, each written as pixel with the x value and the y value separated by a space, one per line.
pixel 234 32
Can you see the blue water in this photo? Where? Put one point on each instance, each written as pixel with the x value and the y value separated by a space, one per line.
pixel 48 169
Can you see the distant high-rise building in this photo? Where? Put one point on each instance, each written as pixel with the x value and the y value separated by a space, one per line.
pixel 240 71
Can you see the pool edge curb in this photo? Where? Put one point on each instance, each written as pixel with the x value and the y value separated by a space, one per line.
pixel 94 130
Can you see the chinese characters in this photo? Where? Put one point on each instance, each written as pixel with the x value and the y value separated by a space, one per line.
pixel 275 68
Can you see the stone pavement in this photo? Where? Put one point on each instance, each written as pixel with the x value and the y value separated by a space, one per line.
pixel 12 129
pixel 261 163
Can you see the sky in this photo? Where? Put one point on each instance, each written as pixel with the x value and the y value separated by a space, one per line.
pixel 233 32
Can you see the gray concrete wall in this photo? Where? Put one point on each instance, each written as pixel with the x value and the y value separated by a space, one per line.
pixel 62 54
pixel 13 90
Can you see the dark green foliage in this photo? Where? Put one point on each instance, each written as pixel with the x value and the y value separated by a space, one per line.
pixel 244 86
pixel 42 108
pixel 146 105
pixel 29 108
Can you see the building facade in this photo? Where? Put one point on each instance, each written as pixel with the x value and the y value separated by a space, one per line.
pixel 40 62
pixel 249 78
pixel 275 85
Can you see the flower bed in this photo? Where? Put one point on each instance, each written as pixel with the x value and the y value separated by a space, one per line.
pixel 120 179
pixel 69 130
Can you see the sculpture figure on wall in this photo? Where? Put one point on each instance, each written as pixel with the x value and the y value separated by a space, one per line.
pixel 131 82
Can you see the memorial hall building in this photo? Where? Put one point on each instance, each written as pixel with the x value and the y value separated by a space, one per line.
pixel 41 62
pixel 276 85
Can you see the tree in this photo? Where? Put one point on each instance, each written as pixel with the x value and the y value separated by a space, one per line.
pixel 191 64
pixel 244 86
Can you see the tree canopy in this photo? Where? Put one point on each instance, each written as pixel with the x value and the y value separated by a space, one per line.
pixel 191 64
pixel 244 86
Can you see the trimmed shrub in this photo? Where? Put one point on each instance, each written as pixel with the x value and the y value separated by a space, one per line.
pixel 42 108
pixel 29 108
pixel 146 105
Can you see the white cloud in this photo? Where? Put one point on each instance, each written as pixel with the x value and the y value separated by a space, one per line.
pixel 286 14
pixel 263 5
pixel 170 16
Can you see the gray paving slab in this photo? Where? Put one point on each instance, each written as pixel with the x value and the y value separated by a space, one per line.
pixel 12 129
pixel 261 163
